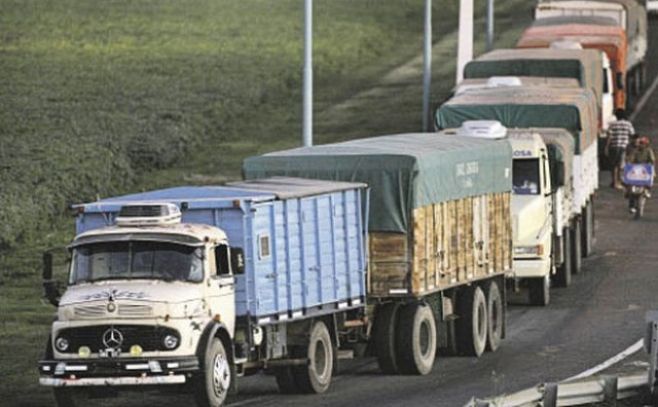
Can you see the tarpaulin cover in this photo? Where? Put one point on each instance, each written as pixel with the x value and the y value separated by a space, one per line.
pixel 575 19
pixel 584 65
pixel 524 107
pixel 404 171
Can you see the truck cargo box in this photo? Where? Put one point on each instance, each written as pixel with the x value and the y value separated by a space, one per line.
pixel 584 65
pixel 303 240
pixel 528 107
pixel 439 204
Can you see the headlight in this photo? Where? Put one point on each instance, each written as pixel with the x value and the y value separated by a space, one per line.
pixel 536 250
pixel 170 342
pixel 62 344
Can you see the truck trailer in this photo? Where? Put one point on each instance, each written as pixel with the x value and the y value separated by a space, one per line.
pixel 628 14
pixel 196 286
pixel 606 38
pixel 439 232
pixel 589 67
pixel 525 108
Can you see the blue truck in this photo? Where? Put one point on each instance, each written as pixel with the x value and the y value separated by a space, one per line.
pixel 197 286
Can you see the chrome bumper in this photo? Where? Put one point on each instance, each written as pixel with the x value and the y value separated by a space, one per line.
pixel 112 381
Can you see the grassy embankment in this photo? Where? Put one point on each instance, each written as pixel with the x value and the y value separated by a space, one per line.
pixel 111 97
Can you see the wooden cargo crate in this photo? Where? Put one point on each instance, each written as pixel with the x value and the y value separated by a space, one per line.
pixel 452 243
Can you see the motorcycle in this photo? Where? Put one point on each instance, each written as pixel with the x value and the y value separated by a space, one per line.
pixel 638 179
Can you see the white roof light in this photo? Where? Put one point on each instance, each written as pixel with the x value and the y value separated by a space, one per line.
pixel 490 129
pixel 503 81
pixel 149 214
pixel 566 44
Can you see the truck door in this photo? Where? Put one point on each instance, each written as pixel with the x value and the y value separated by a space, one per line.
pixel 221 294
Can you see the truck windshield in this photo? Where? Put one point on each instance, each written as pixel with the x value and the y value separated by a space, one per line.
pixel 136 260
pixel 525 176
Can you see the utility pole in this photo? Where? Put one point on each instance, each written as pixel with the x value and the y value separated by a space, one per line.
pixel 307 136
pixel 465 40
pixel 427 65
pixel 490 24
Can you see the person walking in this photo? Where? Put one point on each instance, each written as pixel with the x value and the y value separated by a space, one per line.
pixel 619 134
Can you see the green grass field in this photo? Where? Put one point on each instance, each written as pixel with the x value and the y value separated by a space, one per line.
pixel 100 98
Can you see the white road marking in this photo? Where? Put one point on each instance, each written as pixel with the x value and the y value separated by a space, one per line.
pixel 644 99
pixel 613 360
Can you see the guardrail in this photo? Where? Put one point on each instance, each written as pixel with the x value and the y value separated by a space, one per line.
pixel 605 388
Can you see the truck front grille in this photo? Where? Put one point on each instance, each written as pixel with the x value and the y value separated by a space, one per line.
pixel 148 337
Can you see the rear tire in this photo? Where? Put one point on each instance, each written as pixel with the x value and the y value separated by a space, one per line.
pixel 576 246
pixel 416 339
pixel 495 317
pixel 587 230
pixel 639 203
pixel 316 376
pixel 472 322
pixel 563 276
pixel 539 291
pixel 213 385
pixel 384 336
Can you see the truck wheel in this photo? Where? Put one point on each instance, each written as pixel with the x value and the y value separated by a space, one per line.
pixel 587 229
pixel 285 379
pixel 496 316
pixel 563 276
pixel 384 336
pixel 316 376
pixel 416 339
pixel 472 322
pixel 212 385
pixel 576 246
pixel 69 397
pixel 539 291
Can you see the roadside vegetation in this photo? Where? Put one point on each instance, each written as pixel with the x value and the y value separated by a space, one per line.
pixel 101 98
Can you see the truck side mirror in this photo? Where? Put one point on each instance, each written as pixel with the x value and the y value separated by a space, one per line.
pixel 50 286
pixel 559 178
pixel 620 80
pixel 237 260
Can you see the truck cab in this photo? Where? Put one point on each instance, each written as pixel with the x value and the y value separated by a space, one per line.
pixel 532 211
pixel 140 295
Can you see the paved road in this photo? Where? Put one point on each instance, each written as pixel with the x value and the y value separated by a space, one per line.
pixel 599 315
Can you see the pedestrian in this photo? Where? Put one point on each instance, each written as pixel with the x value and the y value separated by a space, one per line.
pixel 619 134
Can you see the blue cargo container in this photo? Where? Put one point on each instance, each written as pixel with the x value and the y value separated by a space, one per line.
pixel 303 240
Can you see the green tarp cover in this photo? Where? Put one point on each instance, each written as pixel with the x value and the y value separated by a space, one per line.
pixel 404 172
pixel 523 107
pixel 585 65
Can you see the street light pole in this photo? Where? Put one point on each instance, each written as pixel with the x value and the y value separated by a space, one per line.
pixel 490 24
pixel 307 137
pixel 465 37
pixel 427 65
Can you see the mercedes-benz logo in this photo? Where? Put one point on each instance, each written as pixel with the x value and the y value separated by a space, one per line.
pixel 112 338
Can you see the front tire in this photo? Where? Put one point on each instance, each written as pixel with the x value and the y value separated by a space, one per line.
pixel 588 229
pixel 212 386
pixel 384 336
pixel 563 276
pixel 539 291
pixel 416 339
pixel 576 246
pixel 472 322
pixel 316 376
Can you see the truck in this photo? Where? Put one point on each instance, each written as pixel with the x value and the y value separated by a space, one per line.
pixel 439 233
pixel 196 286
pixel 573 110
pixel 627 14
pixel 542 172
pixel 587 66
pixel 585 31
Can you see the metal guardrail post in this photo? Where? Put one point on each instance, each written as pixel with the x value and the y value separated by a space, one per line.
pixel 550 395
pixel 610 390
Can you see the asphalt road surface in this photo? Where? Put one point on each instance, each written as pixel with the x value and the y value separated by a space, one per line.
pixel 601 314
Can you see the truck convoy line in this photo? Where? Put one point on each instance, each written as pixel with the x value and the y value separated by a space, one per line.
pixel 394 246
